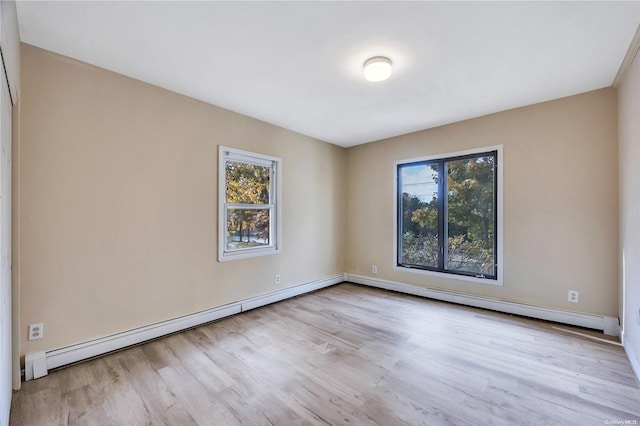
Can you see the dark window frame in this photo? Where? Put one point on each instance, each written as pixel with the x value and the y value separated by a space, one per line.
pixel 442 213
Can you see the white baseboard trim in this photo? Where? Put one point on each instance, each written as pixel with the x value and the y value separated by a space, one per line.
pixel 597 322
pixel 633 359
pixel 89 349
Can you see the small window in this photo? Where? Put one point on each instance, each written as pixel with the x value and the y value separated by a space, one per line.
pixel 249 204
pixel 447 215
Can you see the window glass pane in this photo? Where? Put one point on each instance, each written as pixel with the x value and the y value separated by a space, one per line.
pixel 419 210
pixel 470 216
pixel 247 228
pixel 247 183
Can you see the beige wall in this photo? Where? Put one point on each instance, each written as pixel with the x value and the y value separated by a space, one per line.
pixel 560 201
pixel 117 223
pixel 118 211
pixel 629 132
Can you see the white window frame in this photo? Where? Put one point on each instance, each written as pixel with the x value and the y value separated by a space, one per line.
pixel 499 211
pixel 275 203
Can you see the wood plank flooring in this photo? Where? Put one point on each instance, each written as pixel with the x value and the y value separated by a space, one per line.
pixel 346 355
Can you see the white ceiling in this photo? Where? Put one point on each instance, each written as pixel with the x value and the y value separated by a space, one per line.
pixel 299 64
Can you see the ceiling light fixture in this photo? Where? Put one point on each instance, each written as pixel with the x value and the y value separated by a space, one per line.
pixel 377 69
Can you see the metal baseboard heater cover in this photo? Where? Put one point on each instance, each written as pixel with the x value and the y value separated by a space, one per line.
pixel 84 350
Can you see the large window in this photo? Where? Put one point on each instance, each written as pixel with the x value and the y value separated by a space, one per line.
pixel 447 215
pixel 249 204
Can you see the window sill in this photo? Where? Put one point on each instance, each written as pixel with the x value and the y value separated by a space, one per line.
pixel 247 254
pixel 497 282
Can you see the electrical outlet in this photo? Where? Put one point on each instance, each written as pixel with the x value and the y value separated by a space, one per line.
pixel 574 296
pixel 374 269
pixel 277 279
pixel 36 331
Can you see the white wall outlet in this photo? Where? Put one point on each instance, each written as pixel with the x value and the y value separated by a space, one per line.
pixel 574 296
pixel 374 269
pixel 36 331
pixel 276 279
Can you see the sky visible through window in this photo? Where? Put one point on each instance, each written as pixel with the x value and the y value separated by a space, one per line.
pixel 418 181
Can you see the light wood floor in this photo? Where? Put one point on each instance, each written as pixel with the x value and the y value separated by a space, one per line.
pixel 346 355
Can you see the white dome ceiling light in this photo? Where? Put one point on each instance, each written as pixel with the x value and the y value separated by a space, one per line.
pixel 377 68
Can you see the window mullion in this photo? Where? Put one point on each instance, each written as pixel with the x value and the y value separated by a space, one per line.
pixel 495 214
pixel 400 225
pixel 442 176
pixel 249 206
pixel 273 194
